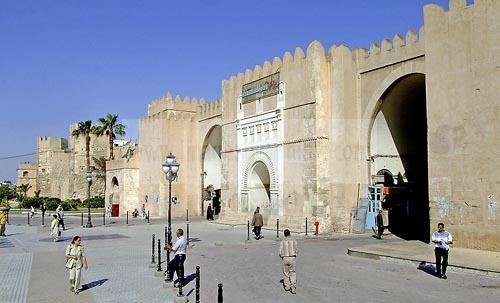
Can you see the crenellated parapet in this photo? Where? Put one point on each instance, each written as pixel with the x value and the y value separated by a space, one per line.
pixel 209 109
pixel 387 52
pixel 288 61
pixel 167 102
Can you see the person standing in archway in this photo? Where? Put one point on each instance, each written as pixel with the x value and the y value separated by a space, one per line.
pixel 257 223
pixel 442 240
pixel 380 224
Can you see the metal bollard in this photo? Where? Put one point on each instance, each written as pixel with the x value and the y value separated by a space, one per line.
pixel 159 255
pixel 248 230
pixel 180 294
pixel 104 217
pixel 43 218
pixel 127 217
pixel 187 214
pixel 153 249
pixel 197 284
pixel 28 219
pixel 82 219
pixel 306 226
pixel 187 232
pixel 277 228
pixel 148 216
pixel 220 299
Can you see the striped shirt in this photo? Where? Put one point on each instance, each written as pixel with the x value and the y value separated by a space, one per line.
pixel 288 247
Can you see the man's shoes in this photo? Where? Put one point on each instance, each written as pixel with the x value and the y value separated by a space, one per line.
pixel 292 290
pixel 443 276
pixel 77 291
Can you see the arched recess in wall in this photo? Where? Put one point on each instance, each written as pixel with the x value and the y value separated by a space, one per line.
pixel 259 186
pixel 115 191
pixel 397 142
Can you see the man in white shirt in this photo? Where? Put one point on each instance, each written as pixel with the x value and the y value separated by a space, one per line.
pixel 177 263
pixel 441 239
pixel 288 253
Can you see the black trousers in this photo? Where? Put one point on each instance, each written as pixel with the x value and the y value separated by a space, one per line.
pixel 380 230
pixel 441 266
pixel 176 265
pixel 256 230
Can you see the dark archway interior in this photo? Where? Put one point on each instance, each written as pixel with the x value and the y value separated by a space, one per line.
pixel 404 107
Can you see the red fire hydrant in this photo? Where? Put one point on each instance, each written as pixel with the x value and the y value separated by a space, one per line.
pixel 316 233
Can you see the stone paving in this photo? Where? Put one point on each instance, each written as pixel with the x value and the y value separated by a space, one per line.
pixel 119 258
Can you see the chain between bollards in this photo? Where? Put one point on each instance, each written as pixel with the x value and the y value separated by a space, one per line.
pixel 153 249
pixel 159 255
pixel 148 216
pixel 277 228
pixel 306 226
pixel 220 299
pixel 127 217
pixel 248 230
pixel 197 284
pixel 82 219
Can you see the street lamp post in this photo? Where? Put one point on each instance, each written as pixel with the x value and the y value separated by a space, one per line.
pixel 170 168
pixel 88 176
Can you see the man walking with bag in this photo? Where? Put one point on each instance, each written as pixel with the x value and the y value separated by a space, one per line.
pixel 288 253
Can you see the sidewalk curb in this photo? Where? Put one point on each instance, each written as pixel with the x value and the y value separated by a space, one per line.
pixel 368 255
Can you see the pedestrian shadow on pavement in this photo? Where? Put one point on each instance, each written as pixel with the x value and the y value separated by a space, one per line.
pixel 188 279
pixel 194 240
pixel 93 284
pixel 427 268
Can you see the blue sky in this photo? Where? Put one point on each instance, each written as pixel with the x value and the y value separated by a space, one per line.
pixel 68 61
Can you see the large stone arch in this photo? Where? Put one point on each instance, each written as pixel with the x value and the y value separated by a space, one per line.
pixel 375 102
pixel 211 148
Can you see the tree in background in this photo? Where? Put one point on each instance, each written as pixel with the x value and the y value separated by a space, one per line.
pixel 22 191
pixel 85 128
pixel 109 127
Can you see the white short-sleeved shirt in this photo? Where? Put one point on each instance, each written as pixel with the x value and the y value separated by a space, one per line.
pixel 180 246
pixel 443 237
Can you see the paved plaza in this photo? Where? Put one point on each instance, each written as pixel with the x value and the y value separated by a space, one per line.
pixel 32 267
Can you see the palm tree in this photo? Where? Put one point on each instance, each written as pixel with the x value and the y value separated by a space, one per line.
pixel 23 191
pixel 85 128
pixel 110 128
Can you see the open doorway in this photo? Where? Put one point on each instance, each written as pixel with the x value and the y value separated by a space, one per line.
pixel 398 154
pixel 212 169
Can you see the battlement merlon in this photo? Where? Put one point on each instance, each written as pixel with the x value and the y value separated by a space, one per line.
pixel 166 102
pixel 51 143
pixel 209 109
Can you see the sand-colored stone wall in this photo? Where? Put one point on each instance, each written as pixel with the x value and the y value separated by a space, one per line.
pixel 26 174
pixel 462 62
